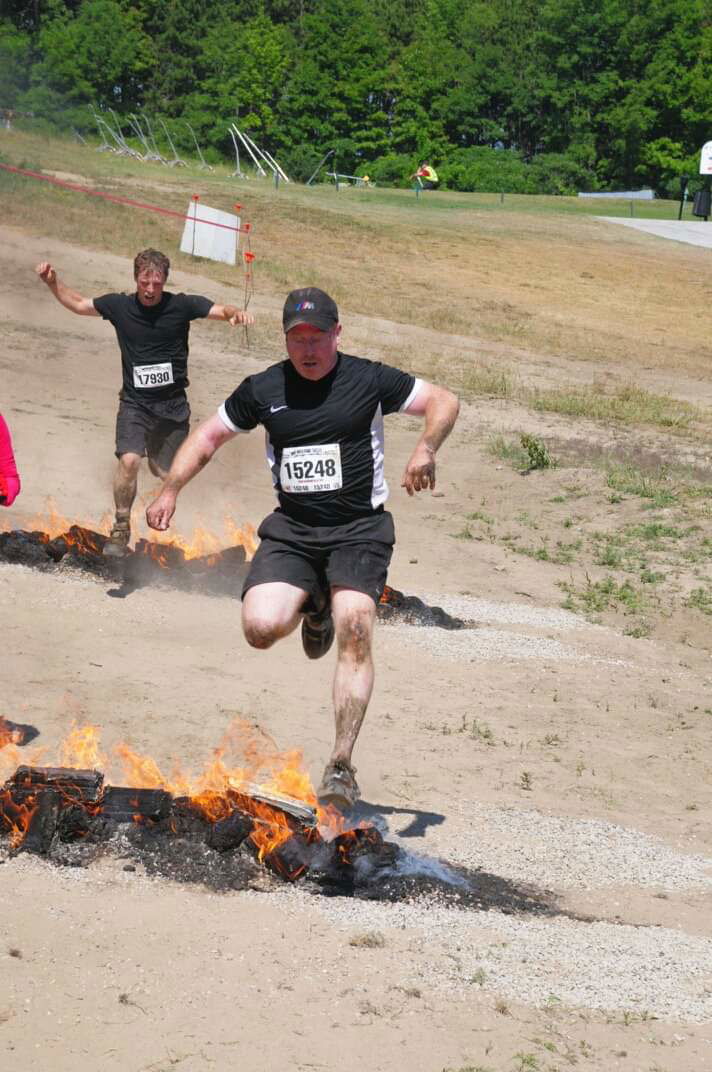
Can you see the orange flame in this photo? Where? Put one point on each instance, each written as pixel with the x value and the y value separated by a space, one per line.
pixel 81 749
pixel 245 755
pixel 203 542
pixel 16 817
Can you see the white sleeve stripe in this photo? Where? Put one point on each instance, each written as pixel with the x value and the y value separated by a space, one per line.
pixel 222 414
pixel 413 394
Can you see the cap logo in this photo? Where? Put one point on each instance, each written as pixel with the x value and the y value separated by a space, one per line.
pixel 304 305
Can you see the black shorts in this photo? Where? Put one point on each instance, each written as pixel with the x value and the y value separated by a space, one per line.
pixel 138 431
pixel 354 555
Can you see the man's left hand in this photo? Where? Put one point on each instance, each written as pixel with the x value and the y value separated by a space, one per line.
pixel 419 473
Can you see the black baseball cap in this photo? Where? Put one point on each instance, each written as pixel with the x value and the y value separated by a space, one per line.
pixel 309 305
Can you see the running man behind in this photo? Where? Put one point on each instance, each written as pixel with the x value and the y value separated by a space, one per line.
pixel 152 327
pixel 325 550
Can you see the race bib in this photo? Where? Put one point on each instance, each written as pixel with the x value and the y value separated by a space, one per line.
pixel 153 375
pixel 310 469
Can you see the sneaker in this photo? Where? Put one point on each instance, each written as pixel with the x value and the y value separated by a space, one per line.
pixel 118 543
pixel 317 633
pixel 339 786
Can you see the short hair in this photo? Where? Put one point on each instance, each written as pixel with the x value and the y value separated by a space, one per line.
pixel 151 258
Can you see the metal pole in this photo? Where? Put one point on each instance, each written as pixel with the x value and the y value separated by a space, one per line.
pixel 203 164
pixel 237 172
pixel 255 146
pixel 319 166
pixel 176 161
pixel 272 161
pixel 257 164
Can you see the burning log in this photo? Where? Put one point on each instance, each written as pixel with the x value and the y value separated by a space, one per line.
pixel 86 541
pixel 165 555
pixel 74 785
pixel 74 823
pixel 229 833
pixel 43 807
pixel 43 823
pixel 291 859
pixel 135 805
pixel 304 814
pixel 351 854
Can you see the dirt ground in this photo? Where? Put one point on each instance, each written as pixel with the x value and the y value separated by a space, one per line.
pixel 542 748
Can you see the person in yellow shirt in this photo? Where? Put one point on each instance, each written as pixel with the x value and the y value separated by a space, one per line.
pixel 427 177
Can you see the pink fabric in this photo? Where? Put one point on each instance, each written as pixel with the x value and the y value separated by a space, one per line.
pixel 9 477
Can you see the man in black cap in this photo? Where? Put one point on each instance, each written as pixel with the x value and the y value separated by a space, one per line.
pixel 325 550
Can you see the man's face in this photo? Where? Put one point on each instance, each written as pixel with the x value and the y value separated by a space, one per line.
pixel 149 286
pixel 313 351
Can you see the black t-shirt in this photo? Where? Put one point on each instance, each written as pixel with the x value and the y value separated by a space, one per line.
pixel 324 438
pixel 153 342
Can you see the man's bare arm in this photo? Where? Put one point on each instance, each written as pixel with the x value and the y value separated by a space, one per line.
pixel 193 456
pixel 70 299
pixel 232 314
pixel 440 408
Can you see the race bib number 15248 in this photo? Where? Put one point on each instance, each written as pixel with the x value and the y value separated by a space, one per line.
pixel 311 469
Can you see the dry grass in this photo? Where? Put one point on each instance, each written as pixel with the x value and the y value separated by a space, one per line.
pixel 533 272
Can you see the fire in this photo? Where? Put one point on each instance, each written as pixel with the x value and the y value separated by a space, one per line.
pixel 203 542
pixel 221 785
pixel 16 817
pixel 245 765
pixel 81 748
pixel 54 524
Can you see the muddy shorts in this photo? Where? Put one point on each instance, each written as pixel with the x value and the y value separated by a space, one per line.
pixel 353 555
pixel 138 431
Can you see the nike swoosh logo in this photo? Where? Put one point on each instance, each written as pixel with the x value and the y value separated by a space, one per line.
pixel 276 409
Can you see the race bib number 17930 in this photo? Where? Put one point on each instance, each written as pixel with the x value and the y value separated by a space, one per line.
pixel 311 469
pixel 153 375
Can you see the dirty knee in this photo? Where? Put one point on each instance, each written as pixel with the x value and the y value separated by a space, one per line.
pixel 259 634
pixel 354 636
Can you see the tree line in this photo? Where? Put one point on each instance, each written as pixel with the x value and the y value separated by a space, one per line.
pixel 547 96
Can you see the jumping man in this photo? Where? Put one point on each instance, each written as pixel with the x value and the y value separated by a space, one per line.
pixel 325 550
pixel 152 330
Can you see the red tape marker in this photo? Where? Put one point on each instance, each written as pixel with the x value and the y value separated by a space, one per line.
pixel 120 200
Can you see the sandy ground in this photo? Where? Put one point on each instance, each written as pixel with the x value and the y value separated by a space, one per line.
pixel 594 781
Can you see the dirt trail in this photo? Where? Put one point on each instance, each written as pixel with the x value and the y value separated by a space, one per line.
pixel 537 747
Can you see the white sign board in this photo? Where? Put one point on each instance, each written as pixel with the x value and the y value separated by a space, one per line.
pixel 706 159
pixel 210 233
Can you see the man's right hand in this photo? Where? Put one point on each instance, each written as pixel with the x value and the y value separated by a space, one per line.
pixel 46 273
pixel 161 510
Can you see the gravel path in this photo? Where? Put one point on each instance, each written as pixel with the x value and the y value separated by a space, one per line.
pixel 606 967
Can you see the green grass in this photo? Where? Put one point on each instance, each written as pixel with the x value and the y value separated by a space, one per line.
pixel 508 451
pixel 625 405
pixel 657 486
pixel 596 596
pixel 700 599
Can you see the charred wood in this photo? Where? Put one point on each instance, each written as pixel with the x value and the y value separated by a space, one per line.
pixel 75 785
pixel 135 805
pixel 43 824
pixel 229 833
pixel 291 859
